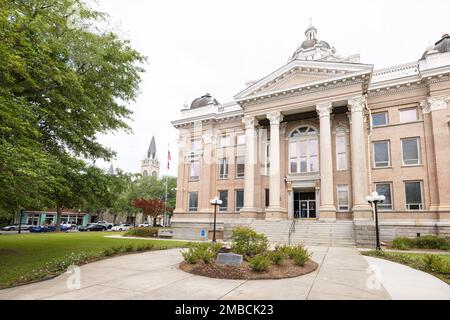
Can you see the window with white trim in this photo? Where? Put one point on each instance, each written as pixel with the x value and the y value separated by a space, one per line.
pixel 240 139
pixel 381 155
pixel 413 194
pixel 224 141
pixel 196 144
pixel 239 199
pixel 411 151
pixel 240 166
pixel 223 168
pixel 342 193
pixel 303 150
pixel 194 169
pixel 193 201
pixel 379 119
pixel 341 151
pixel 223 195
pixel 408 115
pixel 384 189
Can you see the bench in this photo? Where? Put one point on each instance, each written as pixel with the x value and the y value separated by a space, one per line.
pixel 165 233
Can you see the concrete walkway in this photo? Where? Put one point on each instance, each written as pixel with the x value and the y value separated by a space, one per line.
pixel 404 283
pixel 342 274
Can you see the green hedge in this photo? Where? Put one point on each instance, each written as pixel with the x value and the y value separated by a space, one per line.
pixel 424 242
pixel 151 232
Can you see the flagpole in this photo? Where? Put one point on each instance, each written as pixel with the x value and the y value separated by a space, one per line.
pixel 165 198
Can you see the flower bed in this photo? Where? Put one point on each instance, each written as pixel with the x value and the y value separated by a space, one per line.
pixel 259 262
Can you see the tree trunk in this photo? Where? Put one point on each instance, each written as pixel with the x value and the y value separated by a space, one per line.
pixel 114 219
pixel 154 220
pixel 58 217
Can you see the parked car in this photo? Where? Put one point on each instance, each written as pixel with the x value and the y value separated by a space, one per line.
pixel 16 227
pixel 121 227
pixel 145 225
pixel 39 229
pixel 108 225
pixel 93 227
pixel 69 226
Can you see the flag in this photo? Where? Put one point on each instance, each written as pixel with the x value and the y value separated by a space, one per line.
pixel 168 159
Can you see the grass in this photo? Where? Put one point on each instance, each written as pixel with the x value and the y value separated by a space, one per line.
pixel 418 261
pixel 29 257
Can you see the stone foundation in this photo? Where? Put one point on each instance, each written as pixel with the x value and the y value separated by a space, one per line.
pixel 365 231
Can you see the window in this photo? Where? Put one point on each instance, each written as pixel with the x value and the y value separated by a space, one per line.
pixel 266 198
pixel 239 199
pixel 224 141
pixel 410 149
pixel 385 190
pixel 240 139
pixel 303 151
pixel 196 144
pixel 194 169
pixel 341 151
pixel 240 167
pixel 413 192
pixel 193 201
pixel 343 198
pixel 408 115
pixel 381 154
pixel 379 119
pixel 223 195
pixel 223 168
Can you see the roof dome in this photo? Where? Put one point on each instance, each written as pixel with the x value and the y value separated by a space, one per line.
pixel 203 101
pixel 442 46
pixel 313 48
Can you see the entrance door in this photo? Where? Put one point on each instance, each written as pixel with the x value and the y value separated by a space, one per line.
pixel 305 205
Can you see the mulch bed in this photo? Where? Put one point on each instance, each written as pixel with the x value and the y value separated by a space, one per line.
pixel 243 272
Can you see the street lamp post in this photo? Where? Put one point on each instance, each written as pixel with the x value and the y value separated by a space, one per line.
pixel 215 202
pixel 374 199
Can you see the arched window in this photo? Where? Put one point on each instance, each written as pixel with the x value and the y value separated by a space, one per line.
pixel 154 173
pixel 303 150
pixel 145 173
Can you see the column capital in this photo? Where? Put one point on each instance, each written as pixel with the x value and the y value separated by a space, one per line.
pixel 425 107
pixel 275 117
pixel 249 122
pixel 438 103
pixel 357 103
pixel 324 109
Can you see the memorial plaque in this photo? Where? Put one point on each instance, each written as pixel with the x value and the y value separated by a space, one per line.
pixel 230 259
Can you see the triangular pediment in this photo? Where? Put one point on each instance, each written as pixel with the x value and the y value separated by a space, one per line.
pixel 299 73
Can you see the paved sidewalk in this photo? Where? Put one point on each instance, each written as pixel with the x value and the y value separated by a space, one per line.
pixel 404 283
pixel 342 274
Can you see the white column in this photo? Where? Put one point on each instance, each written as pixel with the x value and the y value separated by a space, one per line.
pixel 250 162
pixel 275 175
pixel 360 180
pixel 327 208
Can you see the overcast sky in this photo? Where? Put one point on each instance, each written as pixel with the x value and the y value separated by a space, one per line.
pixel 197 46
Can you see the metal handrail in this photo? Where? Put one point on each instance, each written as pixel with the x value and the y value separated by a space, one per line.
pixel 291 230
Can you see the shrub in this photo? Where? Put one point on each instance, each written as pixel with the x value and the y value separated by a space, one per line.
pixel 259 263
pixel 205 252
pixel 401 243
pixel 285 249
pixel 151 232
pixel 190 256
pixel 434 263
pixel 300 255
pixel 277 256
pixel 129 247
pixel 431 242
pixel 248 242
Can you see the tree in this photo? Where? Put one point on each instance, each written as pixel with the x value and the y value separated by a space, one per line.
pixel 150 207
pixel 63 81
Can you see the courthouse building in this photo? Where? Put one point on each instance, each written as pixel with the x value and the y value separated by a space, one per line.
pixel 309 142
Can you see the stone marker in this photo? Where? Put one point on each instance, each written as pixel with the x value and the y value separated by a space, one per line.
pixel 231 259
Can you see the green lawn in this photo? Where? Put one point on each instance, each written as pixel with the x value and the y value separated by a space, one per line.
pixel 28 257
pixel 438 267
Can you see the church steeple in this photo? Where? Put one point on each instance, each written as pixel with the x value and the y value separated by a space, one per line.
pixel 151 153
